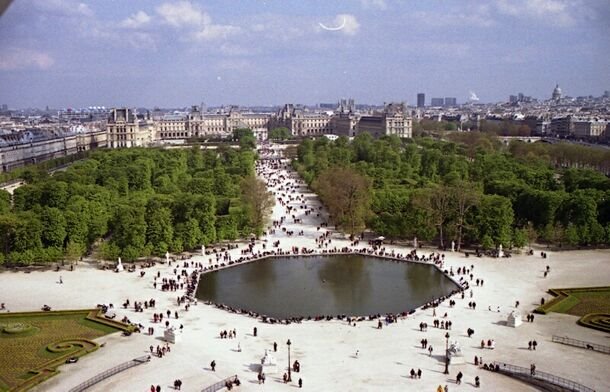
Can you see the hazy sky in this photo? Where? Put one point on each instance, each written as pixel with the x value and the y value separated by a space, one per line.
pixel 66 53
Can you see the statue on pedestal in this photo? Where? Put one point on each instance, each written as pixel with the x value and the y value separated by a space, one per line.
pixel 453 246
pixel 500 253
pixel 514 319
pixel 415 242
pixel 203 250
pixel 454 352
pixel 268 363
pixel 119 266
pixel 167 256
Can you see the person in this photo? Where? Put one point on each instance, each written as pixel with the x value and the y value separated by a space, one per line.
pixel 458 379
pixel 213 366
pixel 412 373
pixel 158 388
pixel 61 281
pixel 274 346
pixel 300 383
pixel 533 369
pixel 439 389
pixel 357 352
pixel 238 347
pixel 534 344
pixel 477 382
pixel 255 331
pixel 418 373
pixel 476 361
pixel 285 378
pixel 446 388
pixel 430 350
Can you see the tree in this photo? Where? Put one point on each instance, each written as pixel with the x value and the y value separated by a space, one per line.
pixel 437 202
pixel 159 229
pixel 281 133
pixel 257 201
pixel 5 201
pixel 463 197
pixel 54 227
pixel 495 219
pixel 74 250
pixel 346 194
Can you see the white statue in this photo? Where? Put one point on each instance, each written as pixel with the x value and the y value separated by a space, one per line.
pixel 167 256
pixel 454 352
pixel 119 266
pixel 453 246
pixel 172 335
pixel 203 250
pixel 415 242
pixel 268 363
pixel 514 319
pixel 500 253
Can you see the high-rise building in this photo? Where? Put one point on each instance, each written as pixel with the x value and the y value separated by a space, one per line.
pixel 437 102
pixel 449 101
pixel 421 100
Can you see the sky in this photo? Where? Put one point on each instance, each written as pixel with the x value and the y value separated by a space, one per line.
pixel 70 53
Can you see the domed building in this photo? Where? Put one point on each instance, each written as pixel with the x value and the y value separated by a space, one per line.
pixel 556 93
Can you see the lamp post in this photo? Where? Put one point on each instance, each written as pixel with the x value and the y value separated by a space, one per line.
pixel 447 353
pixel 288 343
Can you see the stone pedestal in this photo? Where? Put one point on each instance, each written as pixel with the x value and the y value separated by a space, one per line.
pixel 514 319
pixel 455 354
pixel 268 363
pixel 172 335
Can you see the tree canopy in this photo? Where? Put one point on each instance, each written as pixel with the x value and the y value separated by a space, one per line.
pixel 471 190
pixel 139 202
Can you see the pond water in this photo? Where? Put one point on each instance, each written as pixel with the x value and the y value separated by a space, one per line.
pixel 353 285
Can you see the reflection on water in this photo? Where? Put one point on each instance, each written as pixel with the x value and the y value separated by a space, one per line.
pixel 324 285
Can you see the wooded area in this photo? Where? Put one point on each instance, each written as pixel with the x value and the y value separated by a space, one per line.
pixel 141 202
pixel 472 191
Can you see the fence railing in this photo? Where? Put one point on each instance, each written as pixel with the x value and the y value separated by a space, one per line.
pixel 581 343
pixel 527 373
pixel 220 384
pixel 110 372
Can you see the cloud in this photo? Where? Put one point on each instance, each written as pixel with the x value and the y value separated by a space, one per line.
pixel 351 23
pixel 477 16
pixel 182 14
pixel 554 12
pixel 137 20
pixel 213 31
pixel 18 58
pixel 65 8
pixel 374 4
pixel 185 15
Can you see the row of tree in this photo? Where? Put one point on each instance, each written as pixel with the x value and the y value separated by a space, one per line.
pixel 133 202
pixel 477 194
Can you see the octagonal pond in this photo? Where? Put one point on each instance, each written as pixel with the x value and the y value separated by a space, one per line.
pixel 353 285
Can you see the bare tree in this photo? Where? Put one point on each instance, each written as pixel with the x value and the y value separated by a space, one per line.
pixel 257 200
pixel 346 194
pixel 464 197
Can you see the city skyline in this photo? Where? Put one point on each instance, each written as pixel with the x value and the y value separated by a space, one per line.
pixel 177 53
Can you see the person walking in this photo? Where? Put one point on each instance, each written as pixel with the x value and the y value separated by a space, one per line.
pixel 458 379
pixel 430 350
pixel 418 373
pixel 532 369
pixel 213 366
pixel 477 382
pixel 300 383
pixel 274 346
pixel 439 389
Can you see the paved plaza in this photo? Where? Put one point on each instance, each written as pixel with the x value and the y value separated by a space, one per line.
pixel 334 356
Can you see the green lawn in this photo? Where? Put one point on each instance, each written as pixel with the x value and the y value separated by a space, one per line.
pixel 592 304
pixel 33 345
